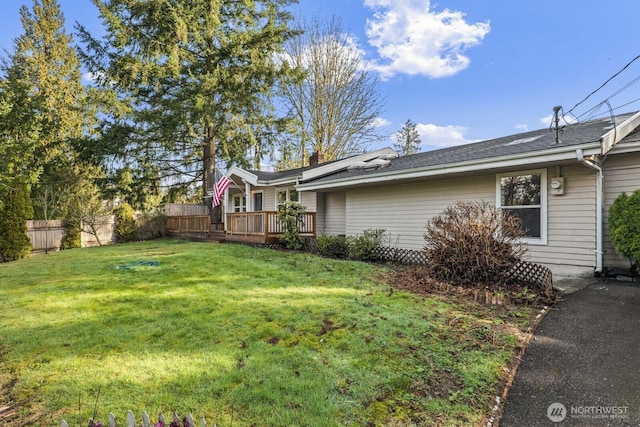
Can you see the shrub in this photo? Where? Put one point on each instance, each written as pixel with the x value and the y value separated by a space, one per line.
pixel 125 222
pixel 72 235
pixel 14 242
pixel 365 246
pixel 473 243
pixel 333 246
pixel 290 215
pixel 624 227
pixel 151 226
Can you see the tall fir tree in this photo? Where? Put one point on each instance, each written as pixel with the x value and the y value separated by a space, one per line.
pixel 45 98
pixel 407 139
pixel 195 80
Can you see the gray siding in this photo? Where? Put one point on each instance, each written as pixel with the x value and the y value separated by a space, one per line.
pixel 571 225
pixel 621 174
pixel 403 210
pixel 308 200
pixel 334 214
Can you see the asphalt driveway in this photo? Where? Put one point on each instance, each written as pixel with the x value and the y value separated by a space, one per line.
pixel 582 367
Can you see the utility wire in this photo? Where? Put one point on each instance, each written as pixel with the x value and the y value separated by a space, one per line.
pixel 604 84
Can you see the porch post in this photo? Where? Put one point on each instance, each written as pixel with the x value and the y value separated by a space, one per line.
pixel 225 201
pixel 247 191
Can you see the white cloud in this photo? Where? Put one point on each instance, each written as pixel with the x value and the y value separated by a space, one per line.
pixel 89 78
pixel 412 39
pixel 522 127
pixel 379 122
pixel 442 136
pixel 547 121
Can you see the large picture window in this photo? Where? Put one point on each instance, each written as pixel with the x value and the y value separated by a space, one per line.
pixel 523 194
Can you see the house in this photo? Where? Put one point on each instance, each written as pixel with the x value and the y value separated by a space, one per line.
pixel 560 182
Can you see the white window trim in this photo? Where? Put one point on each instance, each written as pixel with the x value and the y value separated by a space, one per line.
pixel 542 240
pixel 287 191
pixel 233 203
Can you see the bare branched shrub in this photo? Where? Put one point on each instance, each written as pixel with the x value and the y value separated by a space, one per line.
pixel 473 243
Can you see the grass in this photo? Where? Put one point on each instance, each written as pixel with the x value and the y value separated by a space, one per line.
pixel 241 336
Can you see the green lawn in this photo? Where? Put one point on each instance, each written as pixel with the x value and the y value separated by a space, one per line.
pixel 242 336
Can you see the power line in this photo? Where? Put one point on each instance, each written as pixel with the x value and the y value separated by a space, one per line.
pixel 603 84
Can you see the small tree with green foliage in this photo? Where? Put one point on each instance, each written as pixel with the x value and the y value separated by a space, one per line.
pixel 291 216
pixel 14 242
pixel 125 222
pixel 72 234
pixel 624 227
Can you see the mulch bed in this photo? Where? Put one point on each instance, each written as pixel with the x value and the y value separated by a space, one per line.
pixel 417 281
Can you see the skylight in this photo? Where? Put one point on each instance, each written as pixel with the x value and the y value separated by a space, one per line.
pixel 524 140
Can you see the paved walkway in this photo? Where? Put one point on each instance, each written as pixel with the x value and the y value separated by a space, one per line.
pixel 582 367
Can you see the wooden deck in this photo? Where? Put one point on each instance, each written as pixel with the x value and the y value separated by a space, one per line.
pixel 261 227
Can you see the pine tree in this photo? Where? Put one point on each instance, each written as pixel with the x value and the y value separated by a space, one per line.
pixel 194 79
pixel 408 139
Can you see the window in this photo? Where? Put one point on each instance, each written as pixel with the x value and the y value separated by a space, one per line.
pixel 523 194
pixel 239 204
pixel 257 201
pixel 284 196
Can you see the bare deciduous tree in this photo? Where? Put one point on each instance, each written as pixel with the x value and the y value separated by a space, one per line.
pixel 337 104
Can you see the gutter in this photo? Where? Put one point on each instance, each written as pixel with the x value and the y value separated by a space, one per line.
pixel 518 160
pixel 599 207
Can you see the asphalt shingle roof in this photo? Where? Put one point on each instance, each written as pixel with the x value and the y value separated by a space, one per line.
pixel 528 142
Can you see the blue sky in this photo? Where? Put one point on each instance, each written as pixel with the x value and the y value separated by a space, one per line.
pixel 468 70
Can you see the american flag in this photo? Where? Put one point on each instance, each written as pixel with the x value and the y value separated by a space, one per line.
pixel 218 190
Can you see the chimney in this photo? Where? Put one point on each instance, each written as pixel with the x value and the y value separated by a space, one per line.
pixel 316 158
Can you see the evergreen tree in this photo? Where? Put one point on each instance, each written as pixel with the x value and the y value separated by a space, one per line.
pixel 14 242
pixel 194 80
pixel 46 114
pixel 408 139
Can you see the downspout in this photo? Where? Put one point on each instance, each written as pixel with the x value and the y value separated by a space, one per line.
pixel 599 207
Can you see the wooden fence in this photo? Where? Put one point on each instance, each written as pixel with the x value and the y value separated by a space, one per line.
pixel 188 224
pixel 146 421
pixel 175 209
pixel 46 236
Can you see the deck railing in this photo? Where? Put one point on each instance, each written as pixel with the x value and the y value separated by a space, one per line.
pixel 266 223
